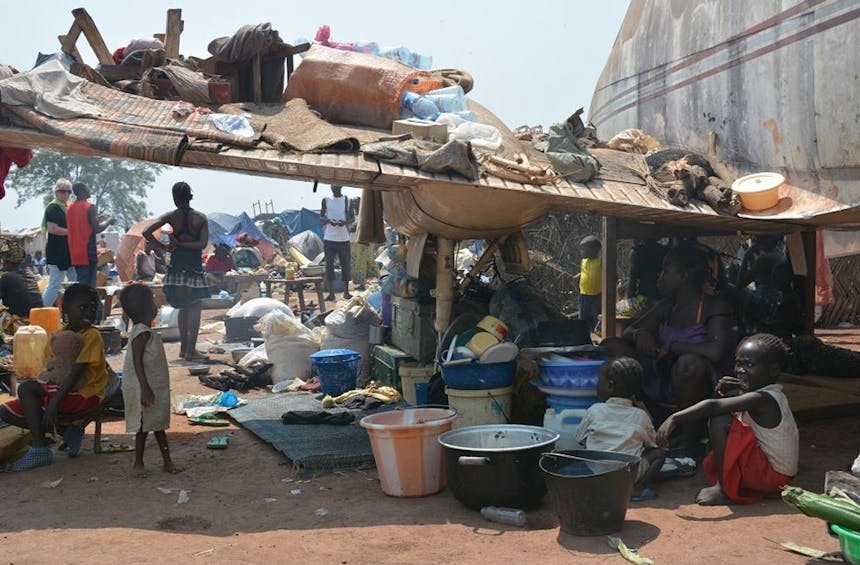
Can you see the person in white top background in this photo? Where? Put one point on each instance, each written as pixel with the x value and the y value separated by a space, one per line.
pixel 336 217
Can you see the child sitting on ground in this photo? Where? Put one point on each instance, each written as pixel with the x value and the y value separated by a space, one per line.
pixel 616 424
pixel 146 378
pixel 753 435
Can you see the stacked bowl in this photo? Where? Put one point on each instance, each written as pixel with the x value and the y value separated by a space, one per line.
pixel 571 387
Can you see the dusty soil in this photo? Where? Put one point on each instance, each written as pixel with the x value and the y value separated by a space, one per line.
pixel 240 508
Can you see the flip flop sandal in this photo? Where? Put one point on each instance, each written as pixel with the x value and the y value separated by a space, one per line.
pixel 645 494
pixel 218 442
pixel 673 467
pixel 73 436
pixel 35 457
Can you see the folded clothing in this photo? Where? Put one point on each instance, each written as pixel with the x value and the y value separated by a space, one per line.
pixel 317 417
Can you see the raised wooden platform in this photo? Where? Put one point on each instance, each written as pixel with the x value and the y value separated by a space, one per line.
pixel 813 397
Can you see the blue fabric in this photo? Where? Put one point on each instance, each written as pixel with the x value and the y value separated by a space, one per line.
pixel 86 274
pixel 297 221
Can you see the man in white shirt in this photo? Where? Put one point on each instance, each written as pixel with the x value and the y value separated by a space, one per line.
pixel 336 217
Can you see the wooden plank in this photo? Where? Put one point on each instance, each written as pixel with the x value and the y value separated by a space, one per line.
pixel 609 277
pixel 94 37
pixel 115 73
pixel 71 50
pixel 159 36
pixel 175 27
pixel 256 79
pixel 67 42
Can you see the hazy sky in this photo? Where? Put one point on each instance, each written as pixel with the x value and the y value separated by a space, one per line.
pixel 533 63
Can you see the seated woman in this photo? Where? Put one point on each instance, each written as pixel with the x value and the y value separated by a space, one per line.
pixel 686 341
pixel 217 265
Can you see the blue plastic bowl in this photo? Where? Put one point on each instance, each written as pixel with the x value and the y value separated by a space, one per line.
pixel 571 374
pixel 559 403
pixel 479 376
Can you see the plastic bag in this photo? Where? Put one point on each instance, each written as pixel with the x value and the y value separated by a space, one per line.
pixel 256 355
pixel 352 320
pixel 278 323
pixel 480 135
pixel 257 307
pixel 290 357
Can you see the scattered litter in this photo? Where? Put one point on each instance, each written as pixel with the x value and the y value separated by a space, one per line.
pixel 205 552
pixel 183 497
pixel 629 554
pixel 802 550
pixel 296 491
pixel 270 500
pixel 163 490
pixel 321 512
pixel 52 484
pixel 324 488
pixel 287 480
pixel 118 448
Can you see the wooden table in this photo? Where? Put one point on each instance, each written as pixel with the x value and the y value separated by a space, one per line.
pixel 298 284
pixel 243 281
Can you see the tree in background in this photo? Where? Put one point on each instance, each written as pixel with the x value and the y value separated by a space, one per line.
pixel 118 187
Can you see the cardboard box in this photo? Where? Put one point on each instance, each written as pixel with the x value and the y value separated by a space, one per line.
pixel 421 129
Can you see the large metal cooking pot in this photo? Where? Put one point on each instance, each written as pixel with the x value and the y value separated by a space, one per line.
pixel 497 465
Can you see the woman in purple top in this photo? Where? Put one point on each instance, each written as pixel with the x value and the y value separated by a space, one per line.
pixel 686 342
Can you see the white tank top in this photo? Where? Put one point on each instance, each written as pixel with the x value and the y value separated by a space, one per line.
pixel 781 444
pixel 335 209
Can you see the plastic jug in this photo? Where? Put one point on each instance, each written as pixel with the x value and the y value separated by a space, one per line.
pixel 448 99
pixel 29 351
pixel 419 106
pixel 47 318
pixel 565 424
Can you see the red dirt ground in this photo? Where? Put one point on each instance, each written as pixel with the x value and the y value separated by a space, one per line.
pixel 241 509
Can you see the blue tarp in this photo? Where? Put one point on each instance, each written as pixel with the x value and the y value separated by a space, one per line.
pixel 297 221
pixel 244 224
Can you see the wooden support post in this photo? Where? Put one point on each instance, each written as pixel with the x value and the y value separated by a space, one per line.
pixel 256 79
pixel 810 254
pixel 609 280
pixel 175 27
pixel 94 37
pixel 444 284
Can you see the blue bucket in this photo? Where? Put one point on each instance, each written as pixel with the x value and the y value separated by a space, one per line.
pixel 337 369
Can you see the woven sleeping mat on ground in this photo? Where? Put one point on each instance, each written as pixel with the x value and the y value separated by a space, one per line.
pixel 313 448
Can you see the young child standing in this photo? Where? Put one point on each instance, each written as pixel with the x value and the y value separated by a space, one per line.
pixel 754 439
pixel 146 378
pixel 616 424
pixel 590 280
